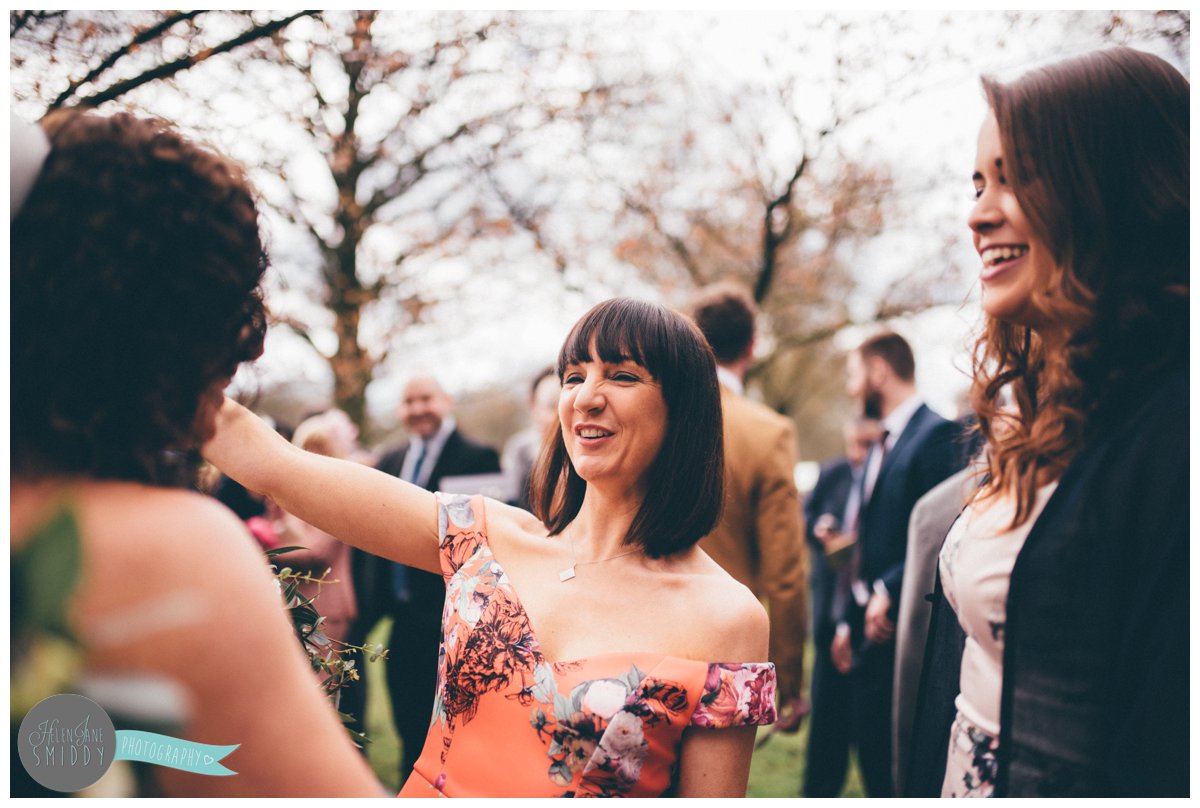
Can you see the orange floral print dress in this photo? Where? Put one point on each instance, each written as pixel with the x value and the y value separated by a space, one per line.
pixel 509 723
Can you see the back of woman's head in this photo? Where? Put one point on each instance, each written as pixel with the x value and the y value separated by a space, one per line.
pixel 686 480
pixel 1098 148
pixel 136 263
pixel 329 433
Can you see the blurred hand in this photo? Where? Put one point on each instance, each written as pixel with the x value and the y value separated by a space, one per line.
pixel 879 629
pixel 792 714
pixel 840 651
pixel 826 528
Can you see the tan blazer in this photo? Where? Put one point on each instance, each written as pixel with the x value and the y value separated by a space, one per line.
pixel 760 539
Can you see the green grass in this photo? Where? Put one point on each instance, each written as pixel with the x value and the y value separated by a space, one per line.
pixel 777 769
pixel 383 750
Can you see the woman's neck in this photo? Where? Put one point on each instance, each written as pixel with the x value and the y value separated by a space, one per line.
pixel 599 529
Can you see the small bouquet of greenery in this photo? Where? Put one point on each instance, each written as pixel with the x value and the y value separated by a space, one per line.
pixel 331 659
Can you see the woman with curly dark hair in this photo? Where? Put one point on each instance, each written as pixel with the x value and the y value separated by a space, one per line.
pixel 1068 571
pixel 135 271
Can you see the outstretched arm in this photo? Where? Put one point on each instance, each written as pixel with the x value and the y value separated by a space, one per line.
pixel 359 505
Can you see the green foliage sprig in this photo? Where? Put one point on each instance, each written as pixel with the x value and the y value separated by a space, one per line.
pixel 332 659
pixel 46 656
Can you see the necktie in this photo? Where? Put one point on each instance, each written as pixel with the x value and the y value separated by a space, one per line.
pixel 858 587
pixel 415 479
pixel 400 587
pixel 875 468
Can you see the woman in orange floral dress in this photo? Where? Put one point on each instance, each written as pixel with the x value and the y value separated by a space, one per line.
pixel 592 649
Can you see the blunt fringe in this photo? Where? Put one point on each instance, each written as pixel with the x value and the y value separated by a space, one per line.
pixel 1097 150
pixel 686 481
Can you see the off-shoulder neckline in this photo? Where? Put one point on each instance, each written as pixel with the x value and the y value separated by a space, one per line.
pixel 533 634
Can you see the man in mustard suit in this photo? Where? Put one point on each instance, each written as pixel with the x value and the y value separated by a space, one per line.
pixel 760 539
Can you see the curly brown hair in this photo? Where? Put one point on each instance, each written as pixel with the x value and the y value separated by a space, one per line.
pixel 1099 150
pixel 136 262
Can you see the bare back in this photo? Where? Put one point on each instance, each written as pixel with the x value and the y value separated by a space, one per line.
pixel 173 587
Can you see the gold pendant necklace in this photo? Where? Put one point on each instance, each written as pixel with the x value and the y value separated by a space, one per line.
pixel 569 572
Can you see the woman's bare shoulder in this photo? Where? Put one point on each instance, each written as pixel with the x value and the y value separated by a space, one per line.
pixel 167 552
pixel 167 526
pixel 733 622
pixel 512 527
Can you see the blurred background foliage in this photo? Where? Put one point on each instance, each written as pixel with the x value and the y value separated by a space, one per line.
pixel 452 189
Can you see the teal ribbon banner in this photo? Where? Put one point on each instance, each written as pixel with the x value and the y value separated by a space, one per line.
pixel 163 750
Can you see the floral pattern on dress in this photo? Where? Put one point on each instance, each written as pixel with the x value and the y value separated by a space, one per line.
pixel 487 642
pixel 971 766
pixel 737 695
pixel 598 731
pixel 596 735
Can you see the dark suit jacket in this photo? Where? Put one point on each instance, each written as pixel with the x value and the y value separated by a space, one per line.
pixel 829 495
pixel 460 455
pixel 926 453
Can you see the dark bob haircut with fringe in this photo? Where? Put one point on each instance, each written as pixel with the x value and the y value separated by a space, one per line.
pixel 686 481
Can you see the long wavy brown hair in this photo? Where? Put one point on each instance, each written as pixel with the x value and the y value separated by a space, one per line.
pixel 1097 149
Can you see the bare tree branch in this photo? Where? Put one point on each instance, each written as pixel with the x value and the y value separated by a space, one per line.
pixel 527 220
pixel 678 246
pixel 18 20
pixel 141 38
pixel 773 237
pixel 179 65
pixel 300 329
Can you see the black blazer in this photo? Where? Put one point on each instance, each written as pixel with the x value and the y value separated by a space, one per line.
pixel 1095 693
pixel 829 495
pixel 373 576
pixel 926 453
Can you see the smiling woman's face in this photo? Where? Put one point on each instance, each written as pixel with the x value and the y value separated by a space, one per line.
pixel 614 420
pixel 1015 261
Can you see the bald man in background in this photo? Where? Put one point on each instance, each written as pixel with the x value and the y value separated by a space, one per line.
pixel 414 598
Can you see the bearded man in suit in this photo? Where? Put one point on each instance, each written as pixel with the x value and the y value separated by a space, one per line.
pixel 760 538
pixel 917 450
pixel 414 598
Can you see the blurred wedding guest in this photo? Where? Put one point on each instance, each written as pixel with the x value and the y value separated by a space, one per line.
pixel 323 556
pixel 135 266
pixel 1068 573
pixel 522 449
pixel 931 519
pixel 760 538
pixel 831 523
pixel 413 598
pixel 916 450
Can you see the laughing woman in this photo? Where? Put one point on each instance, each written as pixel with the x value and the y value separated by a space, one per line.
pixel 1068 572
pixel 593 649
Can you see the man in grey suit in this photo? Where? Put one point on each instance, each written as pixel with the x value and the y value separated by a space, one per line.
pixel 931 519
